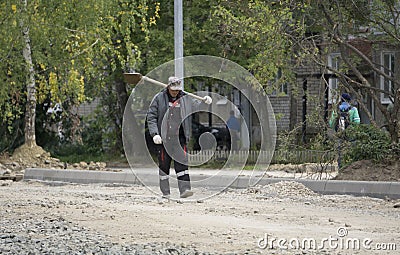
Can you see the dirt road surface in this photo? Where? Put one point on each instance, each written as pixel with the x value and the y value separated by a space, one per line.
pixel 284 218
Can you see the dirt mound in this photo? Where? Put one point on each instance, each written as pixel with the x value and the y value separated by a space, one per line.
pixel 36 157
pixel 367 170
pixel 30 155
pixel 25 156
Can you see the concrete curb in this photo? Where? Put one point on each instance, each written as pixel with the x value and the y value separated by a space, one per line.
pixel 357 188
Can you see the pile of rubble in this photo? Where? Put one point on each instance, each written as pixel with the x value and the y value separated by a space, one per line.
pixel 282 189
pixel 18 166
pixel 304 168
pixel 36 157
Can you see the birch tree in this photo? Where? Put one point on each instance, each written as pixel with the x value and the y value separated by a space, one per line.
pixel 57 51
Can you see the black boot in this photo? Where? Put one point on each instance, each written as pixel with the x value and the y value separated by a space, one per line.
pixel 185 188
pixel 164 187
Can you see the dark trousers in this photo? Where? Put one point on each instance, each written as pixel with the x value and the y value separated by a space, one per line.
pixel 181 169
pixel 235 139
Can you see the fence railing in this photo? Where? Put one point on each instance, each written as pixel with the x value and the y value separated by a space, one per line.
pixel 274 157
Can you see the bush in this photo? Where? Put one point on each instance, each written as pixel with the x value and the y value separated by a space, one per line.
pixel 95 141
pixel 365 142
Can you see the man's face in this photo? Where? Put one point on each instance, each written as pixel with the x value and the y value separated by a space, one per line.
pixel 173 93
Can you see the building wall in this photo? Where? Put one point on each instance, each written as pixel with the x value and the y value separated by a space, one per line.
pixel 281 106
pixel 310 87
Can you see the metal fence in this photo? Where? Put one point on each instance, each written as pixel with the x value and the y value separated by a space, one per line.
pixel 274 157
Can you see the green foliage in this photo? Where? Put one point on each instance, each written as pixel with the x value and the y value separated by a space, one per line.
pixel 75 153
pixel 319 149
pixel 256 34
pixel 198 34
pixel 11 136
pixel 365 142
pixel 394 152
pixel 286 143
pixel 320 142
pixel 94 135
pixel 76 46
pixel 97 137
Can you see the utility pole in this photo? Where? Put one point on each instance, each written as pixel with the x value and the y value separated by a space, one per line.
pixel 178 38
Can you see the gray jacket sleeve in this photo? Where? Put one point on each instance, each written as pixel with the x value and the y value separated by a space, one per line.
pixel 152 116
pixel 196 104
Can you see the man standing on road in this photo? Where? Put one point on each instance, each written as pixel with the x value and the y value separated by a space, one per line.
pixel 169 126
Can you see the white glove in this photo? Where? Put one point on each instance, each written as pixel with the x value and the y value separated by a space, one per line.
pixel 207 100
pixel 157 139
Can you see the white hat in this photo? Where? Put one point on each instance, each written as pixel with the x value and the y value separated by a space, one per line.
pixel 175 83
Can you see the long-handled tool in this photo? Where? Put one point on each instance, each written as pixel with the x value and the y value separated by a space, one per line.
pixel 135 78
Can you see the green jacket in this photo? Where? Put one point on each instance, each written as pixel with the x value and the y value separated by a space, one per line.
pixel 354 117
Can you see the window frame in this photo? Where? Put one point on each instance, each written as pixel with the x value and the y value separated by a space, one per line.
pixel 333 82
pixel 283 89
pixel 389 70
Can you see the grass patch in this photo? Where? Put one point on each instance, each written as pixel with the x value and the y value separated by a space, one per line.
pixel 103 157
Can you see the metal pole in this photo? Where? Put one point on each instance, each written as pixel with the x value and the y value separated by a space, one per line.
pixel 178 38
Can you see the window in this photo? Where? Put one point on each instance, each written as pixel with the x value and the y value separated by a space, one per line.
pixel 387 61
pixel 333 91
pixel 282 89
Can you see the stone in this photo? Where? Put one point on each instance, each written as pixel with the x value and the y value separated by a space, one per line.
pixel 5 182
pixel 83 164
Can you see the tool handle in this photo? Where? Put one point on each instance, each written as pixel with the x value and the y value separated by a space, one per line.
pixel 165 85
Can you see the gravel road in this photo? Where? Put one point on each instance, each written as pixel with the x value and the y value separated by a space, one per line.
pixel 60 218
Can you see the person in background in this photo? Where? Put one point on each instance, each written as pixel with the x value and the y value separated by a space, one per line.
pixel 233 125
pixel 345 115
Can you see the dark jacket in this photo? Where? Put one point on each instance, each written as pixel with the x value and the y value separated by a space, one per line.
pixel 159 107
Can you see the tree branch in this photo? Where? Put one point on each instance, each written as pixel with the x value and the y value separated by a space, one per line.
pixel 73 57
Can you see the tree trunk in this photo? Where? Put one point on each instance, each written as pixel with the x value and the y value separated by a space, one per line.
pixel 30 114
pixel 122 98
pixel 122 95
pixel 392 129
